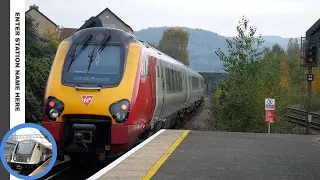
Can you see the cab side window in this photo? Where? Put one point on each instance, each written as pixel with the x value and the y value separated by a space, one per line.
pixel 145 65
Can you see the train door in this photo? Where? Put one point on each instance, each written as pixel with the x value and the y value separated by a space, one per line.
pixel 160 92
pixel 40 152
pixel 187 86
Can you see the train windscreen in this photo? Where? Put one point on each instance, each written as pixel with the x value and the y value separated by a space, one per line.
pixel 25 148
pixel 94 66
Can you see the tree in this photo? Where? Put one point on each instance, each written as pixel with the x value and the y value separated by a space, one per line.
pixel 292 51
pixel 52 37
pixel 254 73
pixel 174 42
pixel 276 48
pixel 39 56
pixel 241 48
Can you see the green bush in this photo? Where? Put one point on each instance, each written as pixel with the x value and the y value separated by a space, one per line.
pixel 253 75
pixel 39 56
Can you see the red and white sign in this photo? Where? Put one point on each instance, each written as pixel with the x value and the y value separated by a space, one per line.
pixel 86 99
pixel 270 104
pixel 269 115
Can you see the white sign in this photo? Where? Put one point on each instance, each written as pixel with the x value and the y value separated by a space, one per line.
pixel 270 104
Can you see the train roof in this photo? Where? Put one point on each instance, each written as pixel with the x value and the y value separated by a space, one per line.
pixel 11 141
pixel 32 134
pixel 48 145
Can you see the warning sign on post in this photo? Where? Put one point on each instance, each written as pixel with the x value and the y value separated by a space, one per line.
pixel 270 104
pixel 269 115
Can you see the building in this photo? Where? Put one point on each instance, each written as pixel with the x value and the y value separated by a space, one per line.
pixel 65 32
pixel 43 21
pixel 108 19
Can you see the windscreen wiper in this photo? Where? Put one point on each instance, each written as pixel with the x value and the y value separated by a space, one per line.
pixel 75 53
pixel 101 46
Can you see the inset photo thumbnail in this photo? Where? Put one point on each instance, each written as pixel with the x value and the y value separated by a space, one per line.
pixel 28 151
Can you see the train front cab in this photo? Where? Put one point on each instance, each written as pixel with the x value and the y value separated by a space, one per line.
pixel 91 103
pixel 26 155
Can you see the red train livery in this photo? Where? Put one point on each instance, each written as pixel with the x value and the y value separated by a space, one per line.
pixel 106 90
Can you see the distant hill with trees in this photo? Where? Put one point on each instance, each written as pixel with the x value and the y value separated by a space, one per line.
pixel 203 44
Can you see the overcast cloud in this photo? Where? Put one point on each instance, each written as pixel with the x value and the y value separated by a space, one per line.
pixel 286 18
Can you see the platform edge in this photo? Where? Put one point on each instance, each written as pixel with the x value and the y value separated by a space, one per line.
pixel 152 171
pixel 123 157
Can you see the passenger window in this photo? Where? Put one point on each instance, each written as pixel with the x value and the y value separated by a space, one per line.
pixel 158 72
pixel 168 80
pixel 171 82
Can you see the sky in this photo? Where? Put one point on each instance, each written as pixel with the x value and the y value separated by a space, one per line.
pixel 285 18
pixel 30 131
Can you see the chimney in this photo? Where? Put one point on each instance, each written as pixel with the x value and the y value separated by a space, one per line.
pixel 34 7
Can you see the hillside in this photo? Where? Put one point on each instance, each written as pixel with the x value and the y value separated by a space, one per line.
pixel 202 44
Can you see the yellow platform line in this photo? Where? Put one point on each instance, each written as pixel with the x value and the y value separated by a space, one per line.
pixel 164 157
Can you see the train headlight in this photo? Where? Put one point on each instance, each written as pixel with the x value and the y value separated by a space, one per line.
pixel 15 158
pixel 28 159
pixel 54 108
pixel 120 110
pixel 121 115
pixel 53 114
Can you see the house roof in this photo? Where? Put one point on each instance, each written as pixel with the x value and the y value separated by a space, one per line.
pixel 107 9
pixel 67 31
pixel 42 15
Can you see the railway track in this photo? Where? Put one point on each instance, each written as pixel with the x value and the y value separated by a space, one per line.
pixel 188 118
pixel 299 117
pixel 57 173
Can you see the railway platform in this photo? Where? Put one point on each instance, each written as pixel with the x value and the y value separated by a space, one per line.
pixel 43 166
pixel 189 155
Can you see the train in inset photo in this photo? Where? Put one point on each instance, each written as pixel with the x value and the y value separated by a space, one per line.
pixel 27 150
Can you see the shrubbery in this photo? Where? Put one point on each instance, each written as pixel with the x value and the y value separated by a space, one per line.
pixel 253 75
pixel 39 57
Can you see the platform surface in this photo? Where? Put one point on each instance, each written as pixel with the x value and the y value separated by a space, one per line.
pixel 41 168
pixel 44 166
pixel 220 155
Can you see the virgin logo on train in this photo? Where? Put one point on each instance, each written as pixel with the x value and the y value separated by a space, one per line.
pixel 86 99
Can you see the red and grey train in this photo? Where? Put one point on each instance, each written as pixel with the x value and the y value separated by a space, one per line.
pixel 106 90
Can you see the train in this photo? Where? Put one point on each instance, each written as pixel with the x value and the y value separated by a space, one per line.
pixel 107 90
pixel 28 154
pixel 9 147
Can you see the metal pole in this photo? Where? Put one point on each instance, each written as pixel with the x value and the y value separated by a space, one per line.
pixel 309 101
pixel 302 84
pixel 268 127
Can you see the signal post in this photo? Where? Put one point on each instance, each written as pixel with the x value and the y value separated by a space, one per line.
pixel 311 58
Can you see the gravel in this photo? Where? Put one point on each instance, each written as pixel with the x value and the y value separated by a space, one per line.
pixel 203 119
